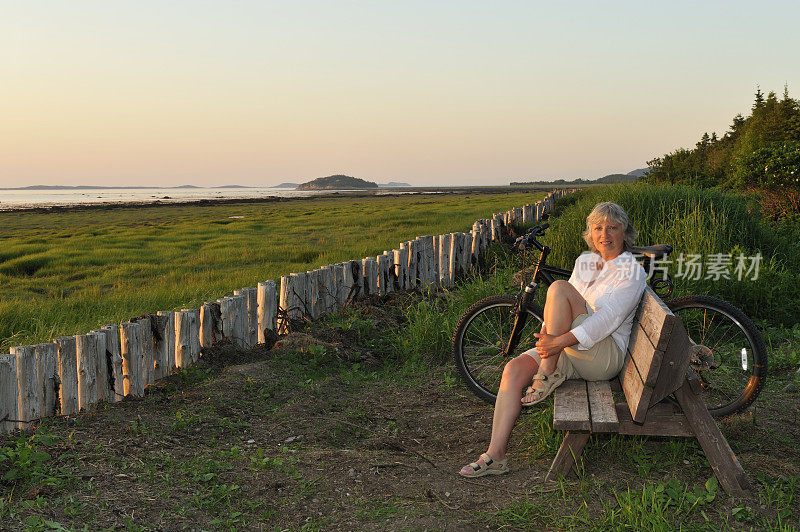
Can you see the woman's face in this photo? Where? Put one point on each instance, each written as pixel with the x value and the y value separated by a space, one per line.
pixel 608 237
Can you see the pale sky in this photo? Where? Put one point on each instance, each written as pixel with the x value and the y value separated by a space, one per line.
pixel 428 92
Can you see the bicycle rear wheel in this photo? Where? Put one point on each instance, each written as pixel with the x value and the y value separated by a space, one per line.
pixel 480 340
pixel 728 353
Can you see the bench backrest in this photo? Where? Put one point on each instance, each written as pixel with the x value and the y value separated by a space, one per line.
pixel 657 358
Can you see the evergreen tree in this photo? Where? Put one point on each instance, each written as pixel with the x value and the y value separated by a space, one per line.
pixel 759 150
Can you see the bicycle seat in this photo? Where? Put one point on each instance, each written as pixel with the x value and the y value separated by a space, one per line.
pixel 655 252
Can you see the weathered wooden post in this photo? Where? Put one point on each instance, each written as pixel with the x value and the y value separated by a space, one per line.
pixel 322 298
pixel 357 274
pixel 116 383
pixel 234 320
pixel 421 273
pixel 251 318
pixel 466 253
pixel 47 371
pixel 29 402
pixel 405 251
pixel 319 283
pixel 208 325
pixel 433 258
pixel 426 273
pixel 102 366
pixel 369 277
pixel 194 332
pixel 345 282
pixel 495 225
pixel 413 273
pixel 382 269
pixel 389 271
pixel 330 289
pixel 321 301
pixel 476 247
pixel 290 301
pixel 148 349
pixel 132 352
pixel 86 349
pixel 463 254
pixel 444 259
pixel 267 306
pixel 342 287
pixel 163 337
pixel 183 334
pixel 460 248
pixel 67 374
pixel 241 321
pixel 9 392
pixel 307 286
pixel 454 257
pixel 169 339
pixel 226 317
pixel 401 267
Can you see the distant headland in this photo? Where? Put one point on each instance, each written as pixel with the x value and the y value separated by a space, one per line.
pixel 345 182
pixel 608 179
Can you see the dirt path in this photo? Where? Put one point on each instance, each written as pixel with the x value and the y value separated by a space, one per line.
pixel 316 435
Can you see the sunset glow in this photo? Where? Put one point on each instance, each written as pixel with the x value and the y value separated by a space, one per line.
pixel 256 93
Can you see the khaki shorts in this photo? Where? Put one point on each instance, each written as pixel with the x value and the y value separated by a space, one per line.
pixel 602 362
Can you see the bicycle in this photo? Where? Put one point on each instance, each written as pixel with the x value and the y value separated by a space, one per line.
pixel 728 353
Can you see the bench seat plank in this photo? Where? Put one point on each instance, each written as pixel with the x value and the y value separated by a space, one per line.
pixel 601 407
pixel 571 411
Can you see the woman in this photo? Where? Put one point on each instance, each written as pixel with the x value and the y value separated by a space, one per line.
pixel 587 322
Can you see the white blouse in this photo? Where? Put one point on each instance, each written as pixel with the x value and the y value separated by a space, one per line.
pixel 613 290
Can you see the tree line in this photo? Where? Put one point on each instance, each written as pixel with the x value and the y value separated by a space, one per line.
pixel 760 151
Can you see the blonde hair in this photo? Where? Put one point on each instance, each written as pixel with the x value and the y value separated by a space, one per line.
pixel 613 212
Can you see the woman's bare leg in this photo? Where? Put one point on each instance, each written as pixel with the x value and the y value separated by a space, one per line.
pixel 562 306
pixel 517 376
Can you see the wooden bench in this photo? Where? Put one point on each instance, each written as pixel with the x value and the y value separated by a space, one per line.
pixel 656 366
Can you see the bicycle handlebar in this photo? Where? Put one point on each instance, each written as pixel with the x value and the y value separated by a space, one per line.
pixel 530 237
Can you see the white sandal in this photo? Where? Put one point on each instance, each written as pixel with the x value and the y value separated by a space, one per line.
pixel 490 467
pixel 549 383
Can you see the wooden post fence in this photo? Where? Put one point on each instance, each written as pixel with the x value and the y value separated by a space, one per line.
pixel 72 373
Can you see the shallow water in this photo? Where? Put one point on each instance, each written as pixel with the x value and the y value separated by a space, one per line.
pixel 21 199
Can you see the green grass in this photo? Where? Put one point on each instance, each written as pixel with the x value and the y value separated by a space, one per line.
pixel 65 273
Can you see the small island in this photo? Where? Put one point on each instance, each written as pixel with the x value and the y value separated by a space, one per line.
pixel 337 182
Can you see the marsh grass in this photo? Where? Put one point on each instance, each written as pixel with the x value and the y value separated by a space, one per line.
pixel 65 273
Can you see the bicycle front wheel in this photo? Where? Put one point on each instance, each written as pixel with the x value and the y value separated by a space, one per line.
pixel 728 353
pixel 481 338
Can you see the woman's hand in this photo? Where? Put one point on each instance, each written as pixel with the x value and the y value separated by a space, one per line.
pixel 549 345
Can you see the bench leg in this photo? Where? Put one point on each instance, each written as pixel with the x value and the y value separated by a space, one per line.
pixel 724 463
pixel 570 451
